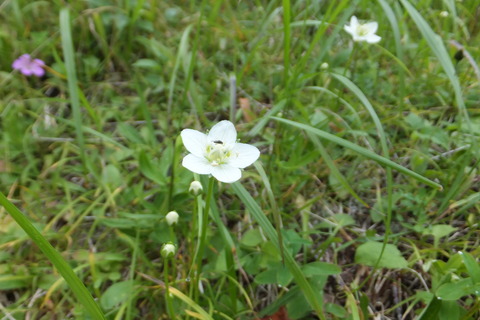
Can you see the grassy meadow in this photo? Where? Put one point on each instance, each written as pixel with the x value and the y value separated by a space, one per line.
pixel 364 202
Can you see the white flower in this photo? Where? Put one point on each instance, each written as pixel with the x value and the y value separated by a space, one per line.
pixel 195 188
pixel 324 66
pixel 217 153
pixel 168 250
pixel 362 32
pixel 172 218
pixel 444 14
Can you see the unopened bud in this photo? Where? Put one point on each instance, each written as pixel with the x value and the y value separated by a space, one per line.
pixel 324 66
pixel 172 218
pixel 168 250
pixel 195 188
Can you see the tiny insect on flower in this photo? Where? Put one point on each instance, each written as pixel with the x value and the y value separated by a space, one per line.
pixel 28 66
pixel 217 153
pixel 362 32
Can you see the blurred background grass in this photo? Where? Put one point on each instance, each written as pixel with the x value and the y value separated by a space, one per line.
pixel 148 69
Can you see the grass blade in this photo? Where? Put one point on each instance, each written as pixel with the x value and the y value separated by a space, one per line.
pixel 333 168
pixel 364 152
pixel 438 48
pixel 290 262
pixel 286 40
pixel 69 56
pixel 78 288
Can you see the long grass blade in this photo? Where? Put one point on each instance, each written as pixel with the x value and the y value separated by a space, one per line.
pixel 69 56
pixel 290 262
pixel 360 150
pixel 78 288
pixel 286 40
pixel 438 48
pixel 333 169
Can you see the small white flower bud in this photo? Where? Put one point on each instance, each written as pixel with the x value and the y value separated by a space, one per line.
pixel 168 250
pixel 444 14
pixel 172 218
pixel 195 188
pixel 324 66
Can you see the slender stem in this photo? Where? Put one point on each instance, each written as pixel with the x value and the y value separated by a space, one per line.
pixel 203 235
pixel 172 177
pixel 168 299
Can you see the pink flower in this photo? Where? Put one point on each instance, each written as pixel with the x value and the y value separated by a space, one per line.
pixel 29 66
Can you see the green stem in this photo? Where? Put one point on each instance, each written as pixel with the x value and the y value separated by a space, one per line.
pixel 78 288
pixel 172 177
pixel 168 299
pixel 203 235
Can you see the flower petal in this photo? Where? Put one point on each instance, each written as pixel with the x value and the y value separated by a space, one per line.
pixel 197 164
pixel 348 29
pixel 226 173
pixel 373 38
pixel 194 141
pixel 371 26
pixel 223 131
pixel 38 71
pixel 246 155
pixel 39 62
pixel 26 71
pixel 354 23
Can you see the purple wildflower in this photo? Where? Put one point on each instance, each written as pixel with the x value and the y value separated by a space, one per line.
pixel 29 66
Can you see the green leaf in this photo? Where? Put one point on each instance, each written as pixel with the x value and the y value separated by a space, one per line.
pixel 275 274
pixel 150 170
pixel 111 176
pixel 439 231
pixel 455 290
pixel 369 252
pixel 10 281
pixel 450 310
pixel 130 133
pixel 147 64
pixel 431 311
pixel 251 238
pixel 117 294
pixel 343 220
pixel 472 266
pixel 320 269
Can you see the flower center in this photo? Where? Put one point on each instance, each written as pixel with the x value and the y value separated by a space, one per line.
pixel 363 30
pixel 217 153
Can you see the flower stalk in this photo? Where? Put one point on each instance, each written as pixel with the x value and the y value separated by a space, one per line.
pixel 203 236
pixel 168 252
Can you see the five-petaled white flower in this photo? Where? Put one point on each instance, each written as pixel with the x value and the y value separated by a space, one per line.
pixel 362 32
pixel 217 153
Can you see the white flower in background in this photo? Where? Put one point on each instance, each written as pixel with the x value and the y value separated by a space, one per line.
pixel 168 250
pixel 444 14
pixel 172 218
pixel 362 32
pixel 324 66
pixel 195 188
pixel 217 153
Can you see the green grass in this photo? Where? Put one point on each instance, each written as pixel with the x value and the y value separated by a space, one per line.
pixel 364 202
